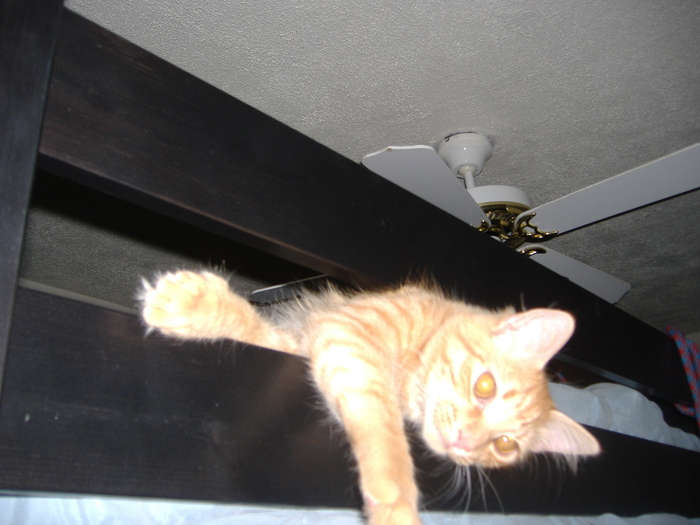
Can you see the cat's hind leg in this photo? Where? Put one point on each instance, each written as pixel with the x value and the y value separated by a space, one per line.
pixel 200 305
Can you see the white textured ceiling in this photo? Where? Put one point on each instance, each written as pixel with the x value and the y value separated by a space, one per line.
pixel 572 91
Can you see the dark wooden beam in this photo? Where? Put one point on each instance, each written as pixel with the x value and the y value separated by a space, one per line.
pixel 121 120
pixel 28 30
pixel 94 406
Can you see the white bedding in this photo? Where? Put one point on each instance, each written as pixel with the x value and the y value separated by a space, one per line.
pixel 608 406
pixel 108 511
pixel 621 409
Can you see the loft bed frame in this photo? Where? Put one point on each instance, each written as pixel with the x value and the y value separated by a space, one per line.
pixel 92 406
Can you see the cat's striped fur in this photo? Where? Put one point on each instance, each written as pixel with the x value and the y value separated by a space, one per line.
pixel 472 380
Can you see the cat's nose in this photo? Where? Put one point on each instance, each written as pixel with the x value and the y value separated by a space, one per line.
pixel 463 442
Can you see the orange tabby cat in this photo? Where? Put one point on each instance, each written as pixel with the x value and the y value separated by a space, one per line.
pixel 469 378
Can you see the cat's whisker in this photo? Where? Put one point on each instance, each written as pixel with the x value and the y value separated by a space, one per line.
pixel 455 488
pixel 457 485
pixel 480 487
pixel 455 478
pixel 453 485
pixel 485 477
pixel 463 481
pixel 469 488
pixel 442 470
pixel 439 494
pixel 461 478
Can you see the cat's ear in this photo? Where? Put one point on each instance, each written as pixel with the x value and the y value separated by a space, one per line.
pixel 562 435
pixel 534 336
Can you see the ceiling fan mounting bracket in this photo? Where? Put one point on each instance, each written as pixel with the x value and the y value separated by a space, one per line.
pixel 465 153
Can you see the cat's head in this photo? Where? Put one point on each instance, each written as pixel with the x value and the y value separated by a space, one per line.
pixel 486 400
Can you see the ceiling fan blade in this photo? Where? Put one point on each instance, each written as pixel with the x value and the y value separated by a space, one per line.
pixel 421 171
pixel 665 177
pixel 603 285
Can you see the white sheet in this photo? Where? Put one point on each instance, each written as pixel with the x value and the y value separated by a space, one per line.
pixel 112 511
pixel 621 409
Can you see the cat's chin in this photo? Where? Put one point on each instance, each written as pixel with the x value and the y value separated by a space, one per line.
pixel 464 458
pixel 461 457
pixel 437 442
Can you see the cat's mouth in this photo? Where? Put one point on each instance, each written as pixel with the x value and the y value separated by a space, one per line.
pixel 460 456
pixel 451 442
pixel 457 448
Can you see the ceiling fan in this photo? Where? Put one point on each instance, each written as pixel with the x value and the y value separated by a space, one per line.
pixel 444 176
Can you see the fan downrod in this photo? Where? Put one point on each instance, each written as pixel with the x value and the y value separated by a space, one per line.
pixel 465 153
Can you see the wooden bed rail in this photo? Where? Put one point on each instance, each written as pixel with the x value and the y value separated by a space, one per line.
pixel 93 406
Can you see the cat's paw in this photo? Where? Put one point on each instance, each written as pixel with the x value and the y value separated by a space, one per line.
pixel 185 304
pixel 391 506
pixel 400 512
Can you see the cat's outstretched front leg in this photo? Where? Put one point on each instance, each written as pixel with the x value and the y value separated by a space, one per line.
pixel 375 430
pixel 191 305
pixel 360 395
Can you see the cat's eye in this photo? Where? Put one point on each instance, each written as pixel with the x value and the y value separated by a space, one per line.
pixel 485 386
pixel 505 445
